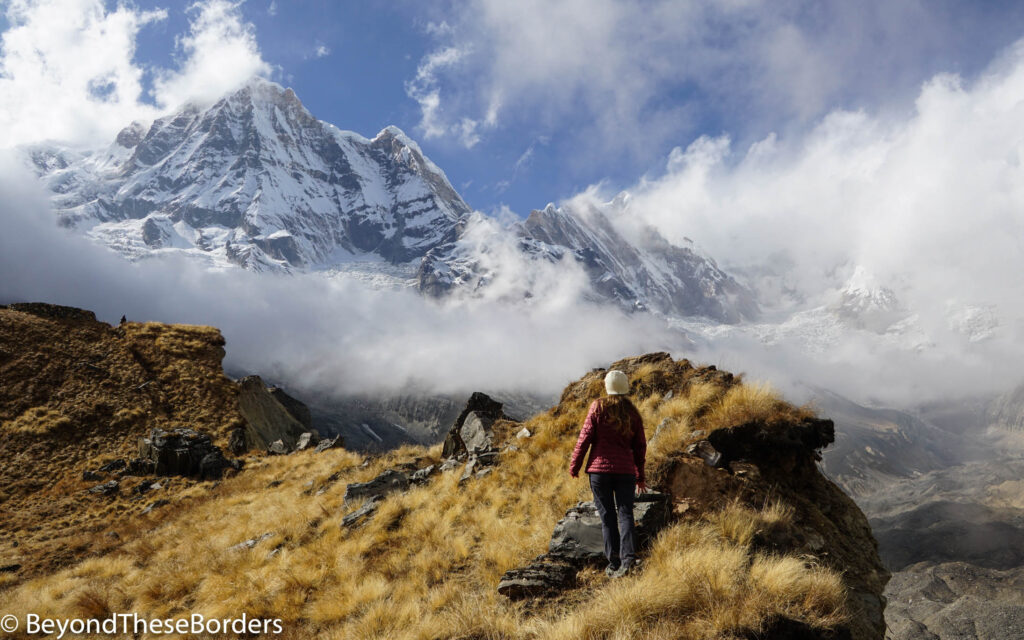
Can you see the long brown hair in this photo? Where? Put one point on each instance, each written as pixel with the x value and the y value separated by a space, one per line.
pixel 619 411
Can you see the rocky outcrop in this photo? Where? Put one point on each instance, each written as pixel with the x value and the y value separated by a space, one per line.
pixel 295 407
pixel 184 452
pixel 761 462
pixel 271 415
pixel 336 442
pixel 471 432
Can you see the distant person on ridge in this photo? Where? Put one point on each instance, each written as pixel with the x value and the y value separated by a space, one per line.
pixel 614 433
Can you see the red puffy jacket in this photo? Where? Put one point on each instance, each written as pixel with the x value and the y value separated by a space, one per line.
pixel 610 451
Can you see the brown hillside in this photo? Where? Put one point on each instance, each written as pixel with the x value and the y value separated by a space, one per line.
pixel 762 548
pixel 75 394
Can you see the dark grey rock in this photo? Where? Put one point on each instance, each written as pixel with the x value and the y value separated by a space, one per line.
pixel 237 444
pixel 142 488
pixel 546 576
pixel 362 514
pixel 387 482
pixel 250 543
pixel 91 476
pixel 213 465
pixel 487 458
pixel 305 441
pixel 114 466
pixel 706 451
pixel 486 411
pixel 578 535
pixel 183 452
pixel 422 475
pixel 108 488
pixel 293 406
pixel 278 448
pixel 329 443
pixel 139 467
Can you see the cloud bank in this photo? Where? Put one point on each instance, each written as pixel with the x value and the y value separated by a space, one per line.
pixel 332 336
pixel 68 70
pixel 929 204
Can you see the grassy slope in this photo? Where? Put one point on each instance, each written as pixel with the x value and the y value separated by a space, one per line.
pixel 76 393
pixel 427 564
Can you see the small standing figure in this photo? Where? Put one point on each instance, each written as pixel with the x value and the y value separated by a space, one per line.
pixel 614 433
pixel 124 319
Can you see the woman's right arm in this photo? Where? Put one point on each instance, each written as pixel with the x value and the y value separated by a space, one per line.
pixel 639 446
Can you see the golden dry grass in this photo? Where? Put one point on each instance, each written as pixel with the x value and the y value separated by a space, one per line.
pixel 427 563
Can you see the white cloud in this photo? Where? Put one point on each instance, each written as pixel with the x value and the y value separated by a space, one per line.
pixel 221 53
pixel 322 51
pixel 426 90
pixel 930 202
pixel 624 76
pixel 68 68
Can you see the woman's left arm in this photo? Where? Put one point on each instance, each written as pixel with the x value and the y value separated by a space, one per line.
pixel 583 442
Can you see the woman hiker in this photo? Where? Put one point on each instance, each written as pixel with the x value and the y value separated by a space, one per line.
pixel 614 433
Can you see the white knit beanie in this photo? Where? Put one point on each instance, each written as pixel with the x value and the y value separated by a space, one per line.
pixel 616 383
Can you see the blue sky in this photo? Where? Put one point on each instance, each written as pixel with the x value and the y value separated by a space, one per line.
pixel 534 101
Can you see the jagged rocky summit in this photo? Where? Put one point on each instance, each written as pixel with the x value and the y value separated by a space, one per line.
pixel 256 181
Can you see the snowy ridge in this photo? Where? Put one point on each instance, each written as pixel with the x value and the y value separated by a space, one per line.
pixel 255 181
pixel 648 274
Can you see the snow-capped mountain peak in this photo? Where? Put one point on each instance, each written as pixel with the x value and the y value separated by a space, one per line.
pixel 256 180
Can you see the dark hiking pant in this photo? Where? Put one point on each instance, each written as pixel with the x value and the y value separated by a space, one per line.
pixel 613 495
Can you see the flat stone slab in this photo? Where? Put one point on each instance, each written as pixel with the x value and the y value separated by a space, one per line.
pixel 388 482
pixel 578 535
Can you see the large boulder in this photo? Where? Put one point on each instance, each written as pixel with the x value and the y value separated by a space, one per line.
pixel 182 452
pixel 271 415
pixel 578 536
pixel 472 429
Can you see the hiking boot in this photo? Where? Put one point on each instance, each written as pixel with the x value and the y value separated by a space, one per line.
pixel 610 570
pixel 622 571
